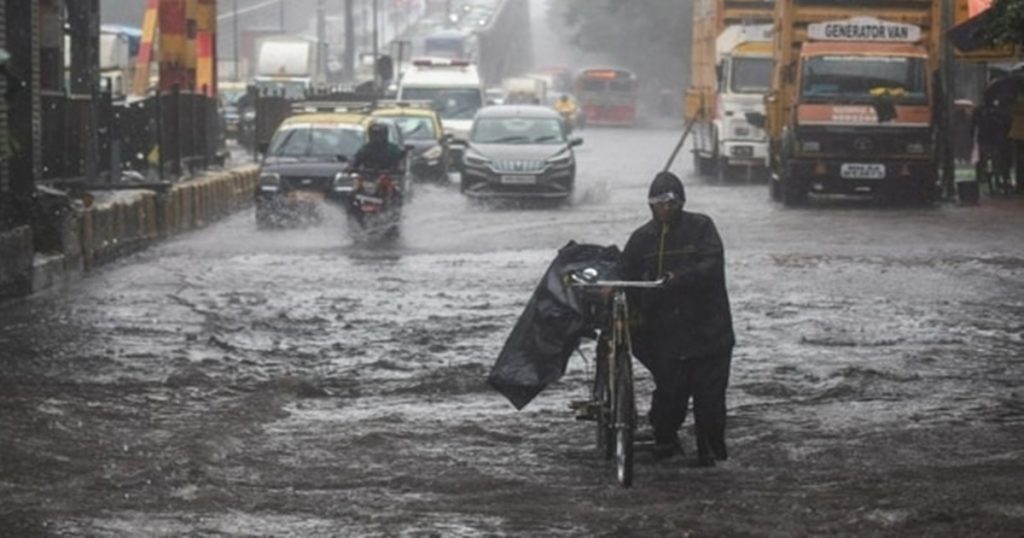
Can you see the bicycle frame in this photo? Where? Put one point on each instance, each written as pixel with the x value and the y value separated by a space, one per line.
pixel 613 393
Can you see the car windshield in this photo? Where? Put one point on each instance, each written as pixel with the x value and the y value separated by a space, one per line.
pixel 862 78
pixel 316 141
pixel 414 128
pixel 517 130
pixel 751 75
pixel 450 103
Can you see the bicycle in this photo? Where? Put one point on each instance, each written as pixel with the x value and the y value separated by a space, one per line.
pixel 612 404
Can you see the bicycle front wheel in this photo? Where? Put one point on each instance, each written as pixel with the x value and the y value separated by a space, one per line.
pixel 602 400
pixel 625 421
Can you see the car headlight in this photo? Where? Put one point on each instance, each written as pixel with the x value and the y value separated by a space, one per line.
pixel 249 115
pixel 342 183
pixel 811 146
pixel 433 154
pixel 473 159
pixel 915 147
pixel 563 159
pixel 270 182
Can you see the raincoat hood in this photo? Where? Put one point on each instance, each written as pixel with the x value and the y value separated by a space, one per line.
pixel 666 182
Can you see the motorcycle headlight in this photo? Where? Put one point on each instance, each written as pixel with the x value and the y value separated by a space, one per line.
pixel 433 154
pixel 342 182
pixel 811 146
pixel 270 182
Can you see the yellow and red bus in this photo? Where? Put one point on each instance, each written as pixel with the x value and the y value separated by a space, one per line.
pixel 607 96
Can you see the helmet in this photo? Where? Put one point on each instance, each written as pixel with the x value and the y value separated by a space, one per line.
pixel 378 133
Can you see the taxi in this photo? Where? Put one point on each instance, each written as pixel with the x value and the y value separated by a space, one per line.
pixel 306 162
pixel 420 127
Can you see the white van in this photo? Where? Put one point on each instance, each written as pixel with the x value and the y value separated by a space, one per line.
pixel 453 86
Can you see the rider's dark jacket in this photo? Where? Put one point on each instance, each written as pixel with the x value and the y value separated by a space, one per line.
pixel 691 317
pixel 376 156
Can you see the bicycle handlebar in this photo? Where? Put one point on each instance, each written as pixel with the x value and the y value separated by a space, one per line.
pixel 623 283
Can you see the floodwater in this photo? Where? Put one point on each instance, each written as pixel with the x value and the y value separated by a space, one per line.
pixel 297 383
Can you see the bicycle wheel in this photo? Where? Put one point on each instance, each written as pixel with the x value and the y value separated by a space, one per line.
pixel 625 420
pixel 602 400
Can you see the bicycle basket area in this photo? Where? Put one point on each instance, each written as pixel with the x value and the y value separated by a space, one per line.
pixel 557 315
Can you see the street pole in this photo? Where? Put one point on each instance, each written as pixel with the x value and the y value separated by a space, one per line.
pixel 376 46
pixel 948 98
pixel 349 61
pixel 281 16
pixel 234 40
pixel 321 35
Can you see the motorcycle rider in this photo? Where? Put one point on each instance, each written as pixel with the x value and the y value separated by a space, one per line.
pixel 682 332
pixel 567 108
pixel 379 153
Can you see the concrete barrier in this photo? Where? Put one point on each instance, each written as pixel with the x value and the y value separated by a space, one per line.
pixel 121 222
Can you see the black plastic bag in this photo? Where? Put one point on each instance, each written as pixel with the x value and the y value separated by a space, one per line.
pixel 549 329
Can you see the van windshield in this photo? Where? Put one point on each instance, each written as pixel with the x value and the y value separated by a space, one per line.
pixel 322 142
pixel 450 103
pixel 862 78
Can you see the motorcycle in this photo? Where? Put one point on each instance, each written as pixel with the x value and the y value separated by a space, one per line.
pixel 375 206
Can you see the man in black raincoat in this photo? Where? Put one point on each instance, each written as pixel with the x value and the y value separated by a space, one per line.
pixel 683 332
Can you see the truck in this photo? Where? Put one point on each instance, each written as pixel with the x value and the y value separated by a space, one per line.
pixel 293 65
pixel 731 67
pixel 853 100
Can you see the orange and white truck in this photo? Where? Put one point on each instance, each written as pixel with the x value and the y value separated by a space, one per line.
pixel 730 73
pixel 853 101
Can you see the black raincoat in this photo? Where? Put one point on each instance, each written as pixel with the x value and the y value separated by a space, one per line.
pixel 692 318
pixel 551 326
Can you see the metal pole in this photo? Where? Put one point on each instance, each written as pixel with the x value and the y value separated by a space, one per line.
pixel 948 98
pixel 234 40
pixel 349 61
pixel 376 46
pixel 281 16
pixel 321 36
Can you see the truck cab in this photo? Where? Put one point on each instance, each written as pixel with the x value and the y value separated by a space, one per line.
pixel 851 111
pixel 744 72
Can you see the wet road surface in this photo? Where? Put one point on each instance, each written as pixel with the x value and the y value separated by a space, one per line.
pixel 294 382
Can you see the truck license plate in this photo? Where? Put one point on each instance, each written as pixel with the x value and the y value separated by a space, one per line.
pixel 518 180
pixel 862 171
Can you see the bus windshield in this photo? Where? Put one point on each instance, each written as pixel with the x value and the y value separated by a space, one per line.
pixel 862 78
pixel 450 103
pixel 751 75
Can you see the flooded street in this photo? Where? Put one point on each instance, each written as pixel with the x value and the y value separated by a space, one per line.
pixel 293 382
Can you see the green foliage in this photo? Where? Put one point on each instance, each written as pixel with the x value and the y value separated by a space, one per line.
pixel 1005 23
pixel 649 36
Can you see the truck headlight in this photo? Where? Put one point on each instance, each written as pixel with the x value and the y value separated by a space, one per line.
pixel 811 146
pixel 270 182
pixel 915 147
pixel 741 130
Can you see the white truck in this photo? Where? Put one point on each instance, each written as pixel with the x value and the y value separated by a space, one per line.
pixel 731 72
pixel 290 64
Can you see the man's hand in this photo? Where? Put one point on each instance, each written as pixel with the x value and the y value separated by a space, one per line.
pixel 671 278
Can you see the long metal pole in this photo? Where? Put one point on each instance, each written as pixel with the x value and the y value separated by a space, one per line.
pixel 349 60
pixel 376 45
pixel 281 16
pixel 234 40
pixel 948 98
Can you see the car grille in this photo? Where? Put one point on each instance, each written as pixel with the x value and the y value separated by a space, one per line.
pixel 518 166
pixel 306 183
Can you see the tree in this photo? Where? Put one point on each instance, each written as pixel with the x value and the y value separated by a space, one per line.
pixel 1005 23
pixel 648 36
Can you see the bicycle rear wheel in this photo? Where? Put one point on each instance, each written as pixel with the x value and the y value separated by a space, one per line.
pixel 625 420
